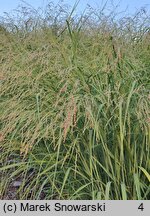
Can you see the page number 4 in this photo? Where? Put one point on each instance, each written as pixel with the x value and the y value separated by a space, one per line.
pixel 141 207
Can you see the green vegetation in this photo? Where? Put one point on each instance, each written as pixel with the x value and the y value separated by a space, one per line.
pixel 75 104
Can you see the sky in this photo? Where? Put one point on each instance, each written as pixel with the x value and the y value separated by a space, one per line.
pixel 130 6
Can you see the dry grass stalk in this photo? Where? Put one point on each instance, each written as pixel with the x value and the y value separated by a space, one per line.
pixel 71 118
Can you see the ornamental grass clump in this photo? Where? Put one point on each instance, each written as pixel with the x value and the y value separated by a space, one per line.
pixel 75 104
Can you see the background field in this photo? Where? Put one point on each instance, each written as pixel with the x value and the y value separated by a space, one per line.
pixel 75 104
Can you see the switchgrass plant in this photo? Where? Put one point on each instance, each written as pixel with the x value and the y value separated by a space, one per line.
pixel 75 105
